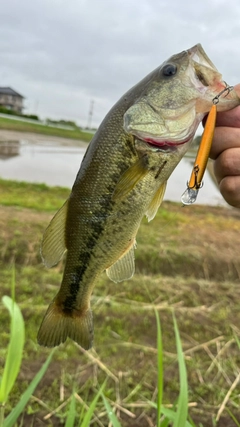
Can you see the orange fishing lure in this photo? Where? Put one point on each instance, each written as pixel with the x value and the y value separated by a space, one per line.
pixel 190 194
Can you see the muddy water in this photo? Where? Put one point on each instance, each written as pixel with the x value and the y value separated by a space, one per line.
pixel 54 163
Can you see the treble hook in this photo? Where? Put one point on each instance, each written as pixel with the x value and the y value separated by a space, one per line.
pixel 227 89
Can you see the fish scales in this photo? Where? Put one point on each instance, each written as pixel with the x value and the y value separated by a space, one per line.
pixel 123 177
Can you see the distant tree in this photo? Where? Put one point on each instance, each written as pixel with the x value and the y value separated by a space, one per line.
pixel 68 123
pixel 31 116
pixel 4 110
pixel 62 123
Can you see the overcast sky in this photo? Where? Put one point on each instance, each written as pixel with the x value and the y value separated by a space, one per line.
pixel 62 54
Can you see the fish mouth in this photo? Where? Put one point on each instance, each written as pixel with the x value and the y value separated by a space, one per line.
pixel 209 83
pixel 166 146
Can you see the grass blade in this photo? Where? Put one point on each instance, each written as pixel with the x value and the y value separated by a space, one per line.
pixel 169 414
pixel 160 368
pixel 71 413
pixel 15 348
pixel 237 340
pixel 165 422
pixel 111 415
pixel 182 408
pixel 192 422
pixel 88 416
pixel 172 416
pixel 233 417
pixel 14 414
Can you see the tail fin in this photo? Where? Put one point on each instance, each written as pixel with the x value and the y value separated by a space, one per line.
pixel 57 326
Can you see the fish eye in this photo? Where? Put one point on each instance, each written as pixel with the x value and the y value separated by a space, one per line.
pixel 169 70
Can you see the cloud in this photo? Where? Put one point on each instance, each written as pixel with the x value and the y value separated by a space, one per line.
pixel 61 55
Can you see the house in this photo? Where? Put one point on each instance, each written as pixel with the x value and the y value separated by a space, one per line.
pixel 11 99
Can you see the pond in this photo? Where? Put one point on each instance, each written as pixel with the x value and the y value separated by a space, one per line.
pixel 53 163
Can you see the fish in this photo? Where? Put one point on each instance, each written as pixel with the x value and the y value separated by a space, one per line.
pixel 123 177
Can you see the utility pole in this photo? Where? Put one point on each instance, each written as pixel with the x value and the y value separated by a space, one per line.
pixel 90 115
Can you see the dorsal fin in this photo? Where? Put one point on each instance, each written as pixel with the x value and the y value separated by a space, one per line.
pixel 156 202
pixel 53 243
pixel 130 178
pixel 124 267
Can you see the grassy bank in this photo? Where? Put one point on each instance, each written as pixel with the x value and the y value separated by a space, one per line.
pixel 17 125
pixel 186 259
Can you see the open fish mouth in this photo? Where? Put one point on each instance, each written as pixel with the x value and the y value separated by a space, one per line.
pixel 164 145
pixel 205 77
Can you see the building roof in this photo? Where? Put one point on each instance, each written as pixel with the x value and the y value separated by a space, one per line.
pixel 9 91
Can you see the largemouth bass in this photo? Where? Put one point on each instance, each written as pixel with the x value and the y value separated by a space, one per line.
pixel 123 177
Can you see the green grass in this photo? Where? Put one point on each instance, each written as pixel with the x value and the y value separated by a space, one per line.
pixel 14 354
pixel 33 196
pixel 14 351
pixel 17 125
pixel 13 358
pixel 186 260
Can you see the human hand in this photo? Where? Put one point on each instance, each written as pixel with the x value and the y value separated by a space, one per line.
pixel 226 153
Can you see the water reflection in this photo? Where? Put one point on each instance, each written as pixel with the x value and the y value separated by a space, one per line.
pixel 52 163
pixel 9 149
pixel 56 164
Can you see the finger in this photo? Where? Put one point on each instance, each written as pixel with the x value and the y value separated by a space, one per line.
pixel 229 118
pixel 227 172
pixel 229 188
pixel 224 139
pixel 237 88
pixel 227 164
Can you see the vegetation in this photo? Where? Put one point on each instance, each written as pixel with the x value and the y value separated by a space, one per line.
pixel 33 196
pixel 13 363
pixel 4 110
pixel 62 123
pixel 187 261
pixel 15 125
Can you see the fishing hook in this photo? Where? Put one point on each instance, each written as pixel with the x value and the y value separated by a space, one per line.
pixel 227 89
pixel 196 184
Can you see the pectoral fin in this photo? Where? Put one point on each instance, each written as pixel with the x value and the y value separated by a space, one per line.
pixel 156 202
pixel 124 267
pixel 130 178
pixel 53 244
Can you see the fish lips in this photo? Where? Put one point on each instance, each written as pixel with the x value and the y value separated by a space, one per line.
pixel 158 143
pixel 153 131
pixel 165 146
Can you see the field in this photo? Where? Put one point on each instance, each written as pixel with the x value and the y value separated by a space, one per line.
pixel 17 125
pixel 187 260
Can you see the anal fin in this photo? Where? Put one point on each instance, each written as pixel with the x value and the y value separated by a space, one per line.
pixel 156 202
pixel 124 267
